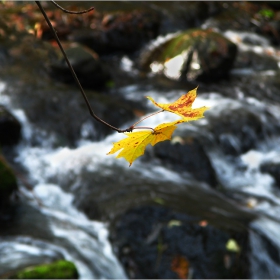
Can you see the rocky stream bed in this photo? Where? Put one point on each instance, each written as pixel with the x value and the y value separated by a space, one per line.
pixel 204 205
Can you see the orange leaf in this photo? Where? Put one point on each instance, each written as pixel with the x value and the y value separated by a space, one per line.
pixel 135 144
pixel 180 265
pixel 183 106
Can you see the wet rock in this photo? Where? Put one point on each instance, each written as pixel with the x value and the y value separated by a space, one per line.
pixel 195 54
pixel 10 128
pixel 273 169
pixel 267 22
pixel 187 155
pixel 234 16
pixel 8 187
pixel 4 43
pixel 158 243
pixel 119 31
pixel 32 54
pixel 87 65
pixel 26 252
pixel 68 118
pixel 18 46
pixel 3 56
pixel 181 15
pixel 257 62
pixel 247 83
pixel 34 237
pixel 32 90
pixel 271 30
pixel 232 138
pixel 58 270
pixel 266 264
pixel 257 17
pixel 38 95
pixel 65 107
pixel 238 128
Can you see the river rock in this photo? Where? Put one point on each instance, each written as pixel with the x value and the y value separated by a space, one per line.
pixel 258 62
pixel 195 54
pixel 33 90
pixel 235 16
pixel 42 233
pixel 271 30
pixel 258 17
pixel 181 15
pixel 267 22
pixel 230 137
pixel 119 31
pixel 155 242
pixel 237 127
pixel 272 168
pixel 10 128
pixel 87 65
pixel 8 186
pixel 68 117
pixel 187 154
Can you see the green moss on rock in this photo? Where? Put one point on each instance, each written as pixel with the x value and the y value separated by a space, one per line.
pixel 58 270
pixel 215 53
pixel 182 42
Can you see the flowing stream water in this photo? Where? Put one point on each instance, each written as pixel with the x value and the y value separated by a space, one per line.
pixel 63 176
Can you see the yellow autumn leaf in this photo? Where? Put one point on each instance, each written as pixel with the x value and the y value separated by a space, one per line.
pixel 183 106
pixel 135 144
pixel 164 131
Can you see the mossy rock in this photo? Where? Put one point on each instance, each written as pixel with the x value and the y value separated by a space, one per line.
pixel 58 270
pixel 8 181
pixel 214 54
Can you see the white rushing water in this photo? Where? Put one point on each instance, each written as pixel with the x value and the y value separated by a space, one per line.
pixel 75 237
pixel 265 263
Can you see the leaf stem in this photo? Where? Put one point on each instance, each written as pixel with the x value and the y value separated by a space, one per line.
pixel 144 127
pixel 147 117
pixel 75 76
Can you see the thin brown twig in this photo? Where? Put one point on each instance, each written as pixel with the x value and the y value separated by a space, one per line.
pixel 147 117
pixel 72 12
pixel 75 76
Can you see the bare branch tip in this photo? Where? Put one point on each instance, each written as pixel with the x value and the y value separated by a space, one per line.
pixel 72 12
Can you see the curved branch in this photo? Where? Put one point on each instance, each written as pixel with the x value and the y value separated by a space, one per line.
pixel 71 12
pixel 75 76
